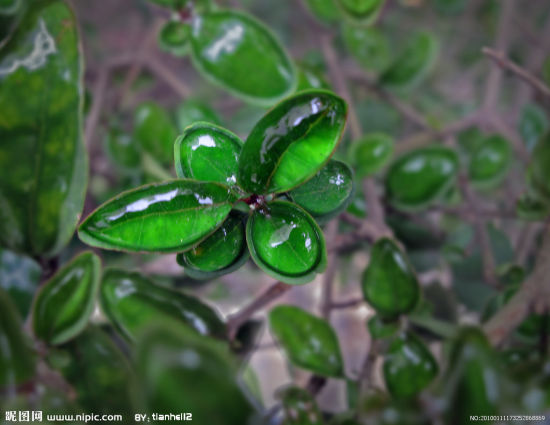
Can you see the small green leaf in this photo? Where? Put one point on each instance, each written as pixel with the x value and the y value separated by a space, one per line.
pixel 161 217
pixel 450 7
pixel 409 366
pixel 490 161
pixel 292 142
pixel 421 177
pixel 132 302
pixel 155 131
pixel 531 207
pixel 207 152
pixel 538 173
pixel 192 111
pixel 389 282
pixel 11 13
pixel 363 11
pixel 123 151
pixel 222 252
pixel 309 342
pixel 324 10
pixel 65 303
pixel 369 46
pixel 16 359
pixel 239 53
pixel 326 194
pixel 96 368
pixel 413 63
pixel 174 38
pixel 19 277
pixel 43 165
pixel 532 125
pixel 371 153
pixel 172 4
pixel 310 78
pixel 286 243
pixel 380 328
pixel 300 407
pixel 183 372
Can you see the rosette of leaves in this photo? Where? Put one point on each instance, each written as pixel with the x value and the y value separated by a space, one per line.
pixel 200 214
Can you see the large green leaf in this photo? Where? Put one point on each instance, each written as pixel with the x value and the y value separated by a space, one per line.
pixel 371 153
pixel 363 11
pixel 286 243
pixel 43 166
pixel 292 142
pixel 239 53
pixel 162 217
pixel 65 303
pixel 308 341
pixel 16 360
pixel 369 46
pixel 155 131
pixel 413 63
pixel 207 152
pixel 490 161
pixel 183 372
pixel 132 302
pixel 420 177
pixel 409 366
pixel 327 193
pixel 222 252
pixel 389 282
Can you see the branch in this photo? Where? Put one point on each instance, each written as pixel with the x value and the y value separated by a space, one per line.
pixel 330 273
pixel 505 63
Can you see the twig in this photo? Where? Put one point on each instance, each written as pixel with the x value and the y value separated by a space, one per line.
pixel 505 63
pixel 166 74
pixel 352 303
pixel 330 273
pixel 98 98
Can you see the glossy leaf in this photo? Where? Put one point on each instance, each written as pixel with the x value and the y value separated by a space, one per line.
pixel 532 125
pixel 300 407
pixel 19 277
pixel 409 366
pixel 174 38
pixel 325 10
pixel 207 152
pixel 192 111
pixel 65 303
pixel 155 131
pixel 369 46
pixel 161 217
pixel 239 53
pixel 389 282
pixel 123 150
pixel 371 153
pixel 327 193
pixel 539 172
pixel 308 341
pixel 184 372
pixel 16 360
pixel 380 328
pixel 95 368
pixel 413 63
pixel 421 177
pixel 364 11
pixel 286 243
pixel 490 161
pixel 291 142
pixel 222 252
pixel 132 302
pixel 43 166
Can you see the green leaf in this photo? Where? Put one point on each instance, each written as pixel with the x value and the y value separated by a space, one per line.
pixel 99 373
pixel 379 328
pixel 363 11
pixel 538 173
pixel 531 207
pixel 184 372
pixel 532 125
pixel 172 4
pixel 418 178
pixel 174 38
pixel 207 152
pixel 286 243
pixel 409 366
pixel 389 282
pixel 43 166
pixel 413 63
pixel 450 7
pixel 324 10
pixel 309 342
pixel 132 302
pixel 490 161
pixel 240 54
pixel 300 407
pixel 161 217
pixel 222 252
pixel 371 153
pixel 155 131
pixel 310 77
pixel 11 12
pixel 65 303
pixel 291 142
pixel 369 46
pixel 326 194
pixel 16 360
pixel 19 277
pixel 122 151
pixel 191 111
